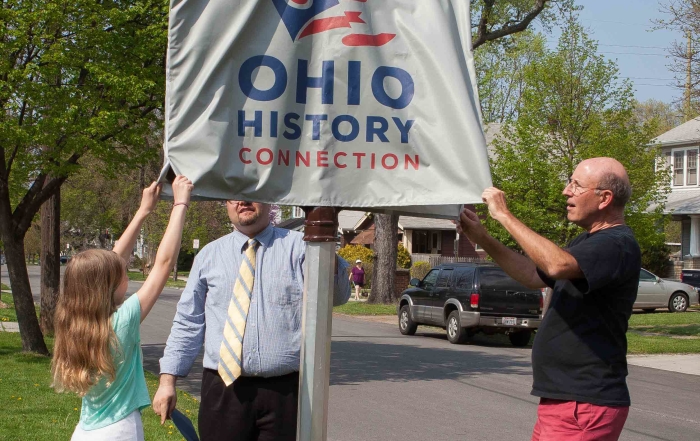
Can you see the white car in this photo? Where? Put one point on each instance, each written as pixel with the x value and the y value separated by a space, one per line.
pixel 655 292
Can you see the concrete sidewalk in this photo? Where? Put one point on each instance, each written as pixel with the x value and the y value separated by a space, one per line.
pixel 684 364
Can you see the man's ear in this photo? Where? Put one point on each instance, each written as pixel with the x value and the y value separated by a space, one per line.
pixel 606 199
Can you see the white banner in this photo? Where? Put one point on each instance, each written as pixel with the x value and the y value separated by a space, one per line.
pixel 365 104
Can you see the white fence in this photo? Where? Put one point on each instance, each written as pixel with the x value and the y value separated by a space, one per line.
pixel 437 259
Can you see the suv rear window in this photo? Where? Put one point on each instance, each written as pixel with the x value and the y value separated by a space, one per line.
pixel 464 278
pixel 496 278
pixel 444 279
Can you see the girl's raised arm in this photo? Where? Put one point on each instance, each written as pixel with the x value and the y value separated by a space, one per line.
pixel 149 200
pixel 169 247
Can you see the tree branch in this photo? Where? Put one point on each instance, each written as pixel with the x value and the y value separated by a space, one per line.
pixel 483 35
pixel 25 211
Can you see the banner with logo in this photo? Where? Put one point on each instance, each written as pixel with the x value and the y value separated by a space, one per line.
pixel 364 104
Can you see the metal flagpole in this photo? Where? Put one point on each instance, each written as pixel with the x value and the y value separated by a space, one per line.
pixel 320 232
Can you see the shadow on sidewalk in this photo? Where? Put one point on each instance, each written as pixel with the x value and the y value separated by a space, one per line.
pixel 191 384
pixel 355 362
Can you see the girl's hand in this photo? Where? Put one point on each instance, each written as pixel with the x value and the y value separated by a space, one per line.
pixel 150 197
pixel 182 188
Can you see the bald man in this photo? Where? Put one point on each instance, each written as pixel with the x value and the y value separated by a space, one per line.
pixel 579 355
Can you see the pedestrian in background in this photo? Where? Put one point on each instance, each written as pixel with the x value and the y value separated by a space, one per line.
pixel 243 302
pixel 98 342
pixel 579 355
pixel 357 275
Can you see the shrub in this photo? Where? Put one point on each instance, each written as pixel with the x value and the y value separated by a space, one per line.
pixel 353 252
pixel 420 269
pixel 403 258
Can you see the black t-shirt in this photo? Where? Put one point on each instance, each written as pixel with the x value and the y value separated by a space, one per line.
pixel 579 353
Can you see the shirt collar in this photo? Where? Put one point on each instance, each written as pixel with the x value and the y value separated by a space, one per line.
pixel 264 238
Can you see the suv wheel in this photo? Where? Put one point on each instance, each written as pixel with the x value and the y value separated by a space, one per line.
pixel 520 339
pixel 456 334
pixel 678 302
pixel 406 325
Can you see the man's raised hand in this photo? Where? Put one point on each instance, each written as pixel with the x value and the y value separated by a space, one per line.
pixel 495 199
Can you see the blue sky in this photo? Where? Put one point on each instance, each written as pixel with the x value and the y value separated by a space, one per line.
pixel 624 31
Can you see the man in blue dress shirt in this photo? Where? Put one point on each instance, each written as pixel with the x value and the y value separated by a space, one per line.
pixel 260 403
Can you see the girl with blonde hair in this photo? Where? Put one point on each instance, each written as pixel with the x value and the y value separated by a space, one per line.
pixel 97 353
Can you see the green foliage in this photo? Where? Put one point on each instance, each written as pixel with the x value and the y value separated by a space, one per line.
pixel 206 221
pixel 362 308
pixel 38 412
pixel 500 74
pixel 419 270
pixel 403 258
pixel 353 252
pixel 575 107
pixel 655 256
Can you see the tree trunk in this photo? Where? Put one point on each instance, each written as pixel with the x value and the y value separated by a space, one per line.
pixel 50 260
pixel 30 332
pixel 385 249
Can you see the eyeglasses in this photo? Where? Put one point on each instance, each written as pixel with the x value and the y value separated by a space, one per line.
pixel 577 188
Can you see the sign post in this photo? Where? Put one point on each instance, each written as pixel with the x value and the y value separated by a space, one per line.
pixel 320 230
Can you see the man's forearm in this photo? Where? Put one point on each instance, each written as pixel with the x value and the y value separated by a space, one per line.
pixel 519 267
pixel 168 380
pixel 546 255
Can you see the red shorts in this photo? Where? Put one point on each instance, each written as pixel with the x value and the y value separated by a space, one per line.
pixel 573 420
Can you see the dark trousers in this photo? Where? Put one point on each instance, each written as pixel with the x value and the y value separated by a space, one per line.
pixel 250 409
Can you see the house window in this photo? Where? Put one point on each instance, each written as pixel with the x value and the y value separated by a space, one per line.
pixel 419 240
pixel 678 168
pixel 692 167
pixel 684 167
pixel 426 242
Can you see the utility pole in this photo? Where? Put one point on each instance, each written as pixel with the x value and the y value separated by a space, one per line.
pixel 688 82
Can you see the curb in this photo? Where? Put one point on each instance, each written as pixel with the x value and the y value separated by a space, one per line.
pixel 9 326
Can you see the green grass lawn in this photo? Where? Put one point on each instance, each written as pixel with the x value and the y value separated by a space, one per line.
pixel 643 344
pixel 137 276
pixel 9 314
pixel 32 410
pixel 361 308
pixel 664 333
pixel 4 287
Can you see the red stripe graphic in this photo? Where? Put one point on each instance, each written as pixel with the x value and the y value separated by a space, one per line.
pixel 367 40
pixel 326 24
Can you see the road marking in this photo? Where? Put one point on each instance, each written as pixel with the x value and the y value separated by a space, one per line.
pixel 666 415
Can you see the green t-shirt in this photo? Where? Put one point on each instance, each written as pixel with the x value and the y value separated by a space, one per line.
pixel 104 405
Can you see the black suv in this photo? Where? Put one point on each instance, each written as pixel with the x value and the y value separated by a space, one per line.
pixel 465 298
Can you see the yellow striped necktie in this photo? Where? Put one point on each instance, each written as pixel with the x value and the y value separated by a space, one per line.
pixel 230 359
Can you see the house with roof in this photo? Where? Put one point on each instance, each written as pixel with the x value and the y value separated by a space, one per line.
pixel 679 146
pixel 421 237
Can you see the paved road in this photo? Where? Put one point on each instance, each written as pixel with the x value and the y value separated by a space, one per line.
pixel 385 386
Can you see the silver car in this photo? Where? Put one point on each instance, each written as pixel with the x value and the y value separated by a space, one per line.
pixel 655 292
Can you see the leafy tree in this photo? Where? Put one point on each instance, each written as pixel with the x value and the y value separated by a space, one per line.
pixel 575 107
pixel 499 72
pixel 493 22
pixel 661 116
pixel 77 79
pixel 499 20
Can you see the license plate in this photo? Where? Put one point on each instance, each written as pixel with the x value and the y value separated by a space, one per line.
pixel 510 321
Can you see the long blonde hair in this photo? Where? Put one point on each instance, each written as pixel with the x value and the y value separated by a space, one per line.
pixel 85 340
